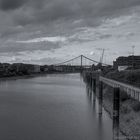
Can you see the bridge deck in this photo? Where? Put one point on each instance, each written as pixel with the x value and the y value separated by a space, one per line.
pixel 133 91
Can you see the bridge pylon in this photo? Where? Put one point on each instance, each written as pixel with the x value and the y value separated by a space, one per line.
pixel 81 61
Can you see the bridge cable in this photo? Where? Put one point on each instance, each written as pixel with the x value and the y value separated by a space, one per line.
pixel 67 61
pixel 95 61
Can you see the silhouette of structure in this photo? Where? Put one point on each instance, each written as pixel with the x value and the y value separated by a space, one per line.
pixel 77 64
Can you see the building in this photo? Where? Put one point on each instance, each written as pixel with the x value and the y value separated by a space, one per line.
pixel 4 67
pixel 44 68
pixel 58 68
pixel 36 68
pixel 123 63
pixel 25 68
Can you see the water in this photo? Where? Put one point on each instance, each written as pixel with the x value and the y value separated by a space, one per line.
pixel 54 107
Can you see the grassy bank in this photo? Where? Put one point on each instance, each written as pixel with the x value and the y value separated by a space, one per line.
pixel 129 108
pixel 129 77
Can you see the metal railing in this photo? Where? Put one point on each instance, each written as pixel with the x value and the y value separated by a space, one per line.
pixel 131 90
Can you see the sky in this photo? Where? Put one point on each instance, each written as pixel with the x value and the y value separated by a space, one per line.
pixel 51 31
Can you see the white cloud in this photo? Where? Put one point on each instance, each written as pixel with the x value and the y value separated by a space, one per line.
pixel 44 39
pixel 92 53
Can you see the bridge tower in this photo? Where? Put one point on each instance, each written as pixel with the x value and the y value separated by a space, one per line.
pixel 81 61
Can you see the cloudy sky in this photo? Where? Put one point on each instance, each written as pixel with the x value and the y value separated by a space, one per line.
pixel 50 31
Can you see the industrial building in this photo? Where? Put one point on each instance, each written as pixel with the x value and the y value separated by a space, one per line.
pixel 123 63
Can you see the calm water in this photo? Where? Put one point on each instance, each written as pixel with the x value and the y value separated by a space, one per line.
pixel 54 107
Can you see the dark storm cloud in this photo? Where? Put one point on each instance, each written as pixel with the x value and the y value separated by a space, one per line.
pixel 30 12
pixel 11 4
pixel 63 8
pixel 39 11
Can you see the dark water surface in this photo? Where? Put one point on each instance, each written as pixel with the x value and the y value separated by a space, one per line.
pixel 54 107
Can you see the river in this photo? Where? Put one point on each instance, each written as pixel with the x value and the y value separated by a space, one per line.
pixel 52 107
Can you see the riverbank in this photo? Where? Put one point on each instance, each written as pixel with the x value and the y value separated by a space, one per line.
pixel 129 108
pixel 131 77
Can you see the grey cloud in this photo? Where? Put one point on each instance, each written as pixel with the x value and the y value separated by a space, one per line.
pixel 48 60
pixel 11 4
pixel 18 47
pixel 105 36
pixel 46 10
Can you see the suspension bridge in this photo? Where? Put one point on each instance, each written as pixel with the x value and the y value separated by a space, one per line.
pixel 78 63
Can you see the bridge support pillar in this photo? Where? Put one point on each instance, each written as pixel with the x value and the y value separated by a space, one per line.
pixel 100 97
pixel 116 109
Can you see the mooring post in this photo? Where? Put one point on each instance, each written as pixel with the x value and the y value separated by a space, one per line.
pixel 90 96
pixel 91 85
pixel 93 92
pixel 100 97
pixel 116 114
pixel 94 86
pixel 90 81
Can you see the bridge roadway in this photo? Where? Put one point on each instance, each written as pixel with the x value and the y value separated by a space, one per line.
pixel 131 90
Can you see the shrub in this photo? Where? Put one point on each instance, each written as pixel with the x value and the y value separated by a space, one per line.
pixel 136 107
pixel 125 110
pixel 124 96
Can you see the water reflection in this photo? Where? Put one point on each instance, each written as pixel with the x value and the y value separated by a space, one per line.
pixel 93 99
pixel 53 107
pixel 116 129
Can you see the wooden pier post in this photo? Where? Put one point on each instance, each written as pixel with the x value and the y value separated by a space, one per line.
pixel 94 86
pixel 90 80
pixel 93 92
pixel 100 97
pixel 116 114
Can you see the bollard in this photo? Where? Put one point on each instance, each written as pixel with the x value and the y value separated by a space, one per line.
pixel 94 86
pixel 90 96
pixel 90 81
pixel 116 109
pixel 100 97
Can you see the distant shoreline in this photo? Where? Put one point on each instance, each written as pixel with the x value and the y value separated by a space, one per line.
pixel 29 76
pixel 21 77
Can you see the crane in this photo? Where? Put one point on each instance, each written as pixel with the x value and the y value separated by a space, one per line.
pixel 102 57
pixel 102 54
